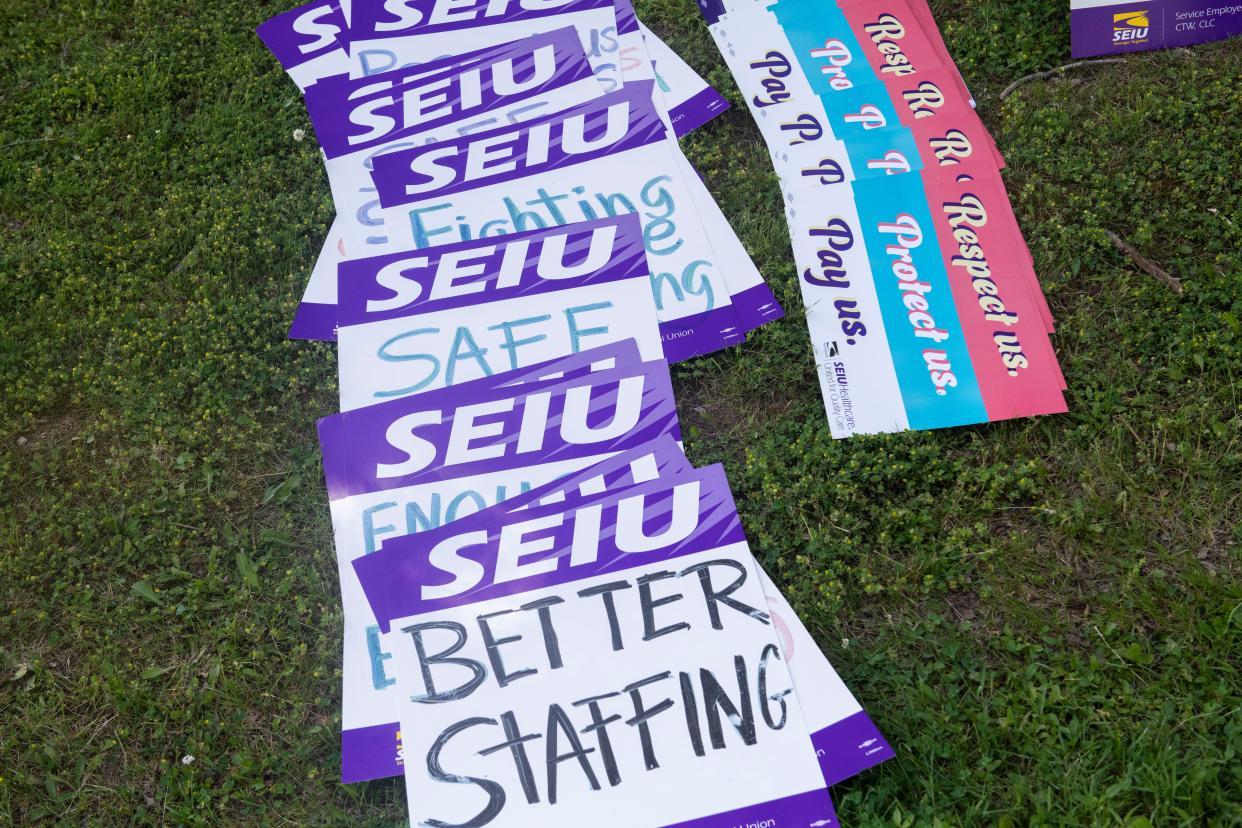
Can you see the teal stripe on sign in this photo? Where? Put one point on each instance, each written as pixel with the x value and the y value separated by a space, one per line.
pixel 838 72
pixel 934 371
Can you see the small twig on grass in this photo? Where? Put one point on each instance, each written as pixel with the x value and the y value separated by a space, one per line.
pixel 1022 81
pixel 180 266
pixel 1144 263
pixel 12 144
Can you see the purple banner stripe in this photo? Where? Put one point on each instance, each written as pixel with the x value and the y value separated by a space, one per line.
pixel 813 808
pixel 491 269
pixel 358 456
pixel 371 753
pixel 611 123
pixel 401 568
pixel 303 34
pixel 849 747
pixel 314 320
pixel 523 70
pixel 691 114
pixel 622 355
pixel 373 19
pixel 702 333
pixel 627 20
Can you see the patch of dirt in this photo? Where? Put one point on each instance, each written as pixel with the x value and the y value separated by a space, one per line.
pixel 964 605
pixel 63 427
pixel 730 416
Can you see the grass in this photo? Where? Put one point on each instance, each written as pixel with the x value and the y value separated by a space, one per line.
pixel 1045 617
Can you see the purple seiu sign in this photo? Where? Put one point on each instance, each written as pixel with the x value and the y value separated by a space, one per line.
pixel 612 155
pixel 490 269
pixel 465 332
pixel 373 751
pixel 638 462
pixel 613 123
pixel 627 19
pixel 660 460
pixel 378 19
pixel 1099 27
pixel 567 584
pixel 463 563
pixel 306 41
pixel 363 114
pixel 427 437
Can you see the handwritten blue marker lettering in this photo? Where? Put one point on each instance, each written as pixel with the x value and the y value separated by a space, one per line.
pixel 576 334
pixel 370 531
pixel 385 355
pixel 379 677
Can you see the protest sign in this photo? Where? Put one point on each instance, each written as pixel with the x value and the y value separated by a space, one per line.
pixel 572 166
pixel 442 316
pixel 883 165
pixel 790 115
pixel 796 122
pixel 1006 344
pixel 846 741
pixel 1116 27
pixel 945 130
pixel 505 290
pixel 359 223
pixel 353 115
pixel 371 735
pixel 390 34
pixel 500 85
pixel 419 439
pixel 415 464
pixel 857 377
pixel 305 42
pixel 928 349
pixel 318 30
pixel 710 695
pixel 861 98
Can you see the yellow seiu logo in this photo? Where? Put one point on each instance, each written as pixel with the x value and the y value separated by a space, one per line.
pixel 1130 27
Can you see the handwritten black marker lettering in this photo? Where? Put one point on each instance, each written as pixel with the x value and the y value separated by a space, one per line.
pixel 610 607
pixel 425 662
pixel 559 725
pixel 649 606
pixel 494 790
pixel 714 597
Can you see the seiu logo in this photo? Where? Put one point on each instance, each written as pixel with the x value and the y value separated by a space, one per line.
pixel 1130 27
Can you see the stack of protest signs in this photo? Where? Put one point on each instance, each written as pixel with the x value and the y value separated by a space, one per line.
pixel 920 293
pixel 550 616
pixel 448 122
